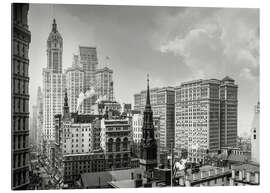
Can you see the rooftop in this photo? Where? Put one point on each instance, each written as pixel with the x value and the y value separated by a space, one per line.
pixel 122 177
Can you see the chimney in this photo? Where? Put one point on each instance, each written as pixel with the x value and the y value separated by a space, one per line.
pixel 223 169
pixel 202 174
pixel 256 179
pixel 187 183
pixel 248 176
pixel 244 173
pixel 233 174
pixel 193 176
pixel 181 181
pixel 240 175
pixel 216 171
pixel 231 182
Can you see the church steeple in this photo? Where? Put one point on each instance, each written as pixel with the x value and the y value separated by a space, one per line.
pixel 66 114
pixel 148 142
pixel 148 93
pixel 66 99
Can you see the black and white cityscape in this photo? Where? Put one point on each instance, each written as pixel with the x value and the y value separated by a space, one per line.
pixel 134 96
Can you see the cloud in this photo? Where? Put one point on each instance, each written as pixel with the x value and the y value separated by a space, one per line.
pixel 223 43
pixel 246 73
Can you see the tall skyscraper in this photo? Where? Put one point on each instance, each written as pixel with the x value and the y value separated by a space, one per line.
pixel 255 135
pixel 148 144
pixel 163 104
pixel 53 82
pixel 21 38
pixel 75 85
pixel 88 62
pixel 104 83
pixel 205 116
pixel 228 112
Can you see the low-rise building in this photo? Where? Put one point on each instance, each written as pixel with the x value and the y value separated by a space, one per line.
pixel 245 174
pixel 115 142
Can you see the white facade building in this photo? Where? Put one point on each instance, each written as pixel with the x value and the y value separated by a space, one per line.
pixel 77 138
pixel 205 116
pixel 53 82
pixel 75 85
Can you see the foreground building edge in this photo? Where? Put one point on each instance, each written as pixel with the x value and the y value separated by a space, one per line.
pixel 21 38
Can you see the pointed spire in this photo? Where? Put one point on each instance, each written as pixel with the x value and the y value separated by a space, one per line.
pixel 148 92
pixel 66 99
pixel 54 26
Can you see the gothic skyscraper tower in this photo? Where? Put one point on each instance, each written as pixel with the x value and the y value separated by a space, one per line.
pixel 148 143
pixel 54 82
pixel 54 49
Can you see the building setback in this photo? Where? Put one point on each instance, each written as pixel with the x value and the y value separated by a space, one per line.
pixel 53 82
pixel 21 38
pixel 163 105
pixel 205 116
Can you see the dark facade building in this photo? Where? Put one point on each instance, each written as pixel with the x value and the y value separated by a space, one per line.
pixel 21 38
pixel 148 143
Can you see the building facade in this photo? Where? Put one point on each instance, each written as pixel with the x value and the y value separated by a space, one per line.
pixel 75 85
pixel 255 135
pixel 115 137
pixel 34 126
pixel 77 164
pixel 21 38
pixel 88 62
pixel 104 83
pixel 53 82
pixel 163 105
pixel 205 116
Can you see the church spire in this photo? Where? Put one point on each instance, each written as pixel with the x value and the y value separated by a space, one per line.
pixel 148 92
pixel 66 114
pixel 148 142
pixel 66 99
pixel 54 26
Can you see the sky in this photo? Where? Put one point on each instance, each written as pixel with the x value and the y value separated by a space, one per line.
pixel 172 44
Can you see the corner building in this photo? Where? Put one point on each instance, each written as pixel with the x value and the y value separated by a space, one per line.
pixel 205 116
pixel 21 38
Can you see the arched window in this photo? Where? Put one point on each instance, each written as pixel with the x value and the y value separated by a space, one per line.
pixel 125 143
pixel 110 145
pixel 118 144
